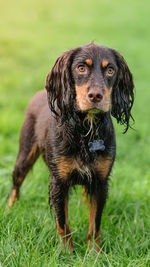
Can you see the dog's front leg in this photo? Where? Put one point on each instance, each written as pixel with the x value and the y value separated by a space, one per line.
pixel 59 200
pixel 97 202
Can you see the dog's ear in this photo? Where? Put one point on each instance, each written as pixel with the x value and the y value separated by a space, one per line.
pixel 122 94
pixel 59 82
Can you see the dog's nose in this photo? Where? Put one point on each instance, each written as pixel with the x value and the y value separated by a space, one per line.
pixel 95 95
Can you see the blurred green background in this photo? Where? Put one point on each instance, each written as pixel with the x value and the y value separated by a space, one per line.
pixel 32 35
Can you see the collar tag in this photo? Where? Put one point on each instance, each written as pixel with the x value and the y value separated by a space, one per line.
pixel 96 145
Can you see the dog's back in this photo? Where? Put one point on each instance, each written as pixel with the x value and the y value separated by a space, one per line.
pixel 39 114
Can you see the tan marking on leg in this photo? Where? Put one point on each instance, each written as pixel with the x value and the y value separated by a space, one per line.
pixel 14 196
pixel 33 152
pixel 105 63
pixel 103 165
pixel 92 216
pixel 97 242
pixel 20 180
pixel 89 61
pixel 66 236
pixel 84 195
pixel 65 233
pixel 66 212
pixel 60 230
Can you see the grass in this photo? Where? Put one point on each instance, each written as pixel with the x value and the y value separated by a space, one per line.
pixel 33 34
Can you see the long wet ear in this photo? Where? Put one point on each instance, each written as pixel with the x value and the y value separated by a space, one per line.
pixel 59 83
pixel 122 94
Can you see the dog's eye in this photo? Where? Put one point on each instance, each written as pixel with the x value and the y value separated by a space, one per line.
pixel 81 68
pixel 110 71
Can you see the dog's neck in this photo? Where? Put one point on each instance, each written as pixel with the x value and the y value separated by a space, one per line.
pixel 92 128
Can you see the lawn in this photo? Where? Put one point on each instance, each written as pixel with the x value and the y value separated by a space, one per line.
pixel 32 35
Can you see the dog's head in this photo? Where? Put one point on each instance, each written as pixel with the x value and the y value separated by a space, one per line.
pixel 91 79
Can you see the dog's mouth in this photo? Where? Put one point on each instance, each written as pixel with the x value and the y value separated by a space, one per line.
pixel 94 111
pixel 97 109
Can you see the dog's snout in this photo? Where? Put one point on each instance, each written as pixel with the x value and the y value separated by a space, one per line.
pixel 95 95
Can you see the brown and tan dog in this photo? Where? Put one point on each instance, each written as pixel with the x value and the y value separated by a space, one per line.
pixel 70 125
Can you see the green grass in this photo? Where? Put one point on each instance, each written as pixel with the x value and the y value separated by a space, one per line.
pixel 33 34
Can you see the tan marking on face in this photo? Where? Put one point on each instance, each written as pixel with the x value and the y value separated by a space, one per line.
pixel 83 103
pixel 81 97
pixel 103 165
pixel 89 61
pixel 105 63
pixel 106 102
pixel 14 196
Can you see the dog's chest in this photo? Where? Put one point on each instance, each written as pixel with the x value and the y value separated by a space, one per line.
pixel 67 165
pixel 83 168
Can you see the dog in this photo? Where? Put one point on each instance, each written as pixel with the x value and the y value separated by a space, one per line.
pixel 69 123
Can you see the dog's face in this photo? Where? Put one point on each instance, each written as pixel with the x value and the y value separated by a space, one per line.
pixel 91 78
pixel 94 70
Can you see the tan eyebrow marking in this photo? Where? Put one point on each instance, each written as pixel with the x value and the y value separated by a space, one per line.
pixel 89 61
pixel 105 63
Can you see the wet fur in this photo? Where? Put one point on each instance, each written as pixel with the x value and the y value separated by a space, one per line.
pixel 60 132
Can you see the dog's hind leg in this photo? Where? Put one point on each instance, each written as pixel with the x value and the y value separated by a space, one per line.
pixel 28 153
